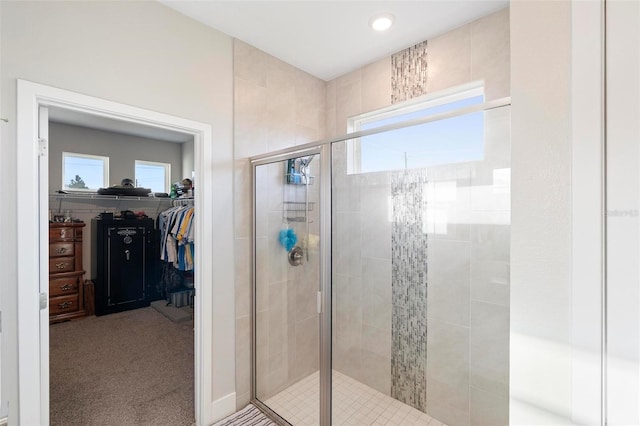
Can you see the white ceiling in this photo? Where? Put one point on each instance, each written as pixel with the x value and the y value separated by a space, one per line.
pixel 75 118
pixel 324 38
pixel 331 38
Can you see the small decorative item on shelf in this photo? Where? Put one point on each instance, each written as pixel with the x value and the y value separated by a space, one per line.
pixel 184 188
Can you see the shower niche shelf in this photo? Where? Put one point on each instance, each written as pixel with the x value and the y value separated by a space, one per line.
pixel 295 211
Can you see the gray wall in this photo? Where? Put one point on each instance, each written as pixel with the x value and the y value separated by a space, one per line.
pixel 137 53
pixel 122 150
pixel 188 158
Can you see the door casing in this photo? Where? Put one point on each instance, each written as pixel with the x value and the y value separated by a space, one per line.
pixel 33 322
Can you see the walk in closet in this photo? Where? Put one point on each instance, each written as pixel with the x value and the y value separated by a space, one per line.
pixel 121 209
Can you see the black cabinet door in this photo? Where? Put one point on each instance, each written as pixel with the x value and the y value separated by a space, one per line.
pixel 126 264
pixel 123 260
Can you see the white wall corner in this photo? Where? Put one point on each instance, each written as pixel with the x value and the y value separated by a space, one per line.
pixel 587 127
pixel 541 231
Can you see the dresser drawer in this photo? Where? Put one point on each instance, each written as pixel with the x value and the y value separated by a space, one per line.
pixel 61 233
pixel 63 304
pixel 63 286
pixel 61 264
pixel 61 249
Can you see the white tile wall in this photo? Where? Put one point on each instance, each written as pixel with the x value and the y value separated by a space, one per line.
pixel 276 106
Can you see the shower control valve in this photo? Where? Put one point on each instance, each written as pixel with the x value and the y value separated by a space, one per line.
pixel 295 256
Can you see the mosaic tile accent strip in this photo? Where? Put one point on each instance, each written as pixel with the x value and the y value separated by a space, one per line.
pixel 409 73
pixel 409 289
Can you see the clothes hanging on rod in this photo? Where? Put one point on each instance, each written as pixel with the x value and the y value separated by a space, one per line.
pixel 177 236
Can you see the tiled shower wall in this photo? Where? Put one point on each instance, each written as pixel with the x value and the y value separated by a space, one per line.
pixel 278 106
pixel 275 106
pixel 468 284
pixel 468 296
pixel 287 320
pixel 476 51
pixel 467 221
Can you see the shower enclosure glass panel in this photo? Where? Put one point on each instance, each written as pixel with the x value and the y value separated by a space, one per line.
pixel 286 284
pixel 420 277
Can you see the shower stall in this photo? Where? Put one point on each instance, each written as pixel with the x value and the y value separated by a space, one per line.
pixel 381 274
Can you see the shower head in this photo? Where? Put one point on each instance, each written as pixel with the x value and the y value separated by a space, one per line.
pixel 305 161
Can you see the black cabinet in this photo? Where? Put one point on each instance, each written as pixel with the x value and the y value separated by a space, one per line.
pixel 123 261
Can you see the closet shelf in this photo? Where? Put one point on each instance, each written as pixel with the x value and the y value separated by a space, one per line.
pixel 92 198
pixel 107 197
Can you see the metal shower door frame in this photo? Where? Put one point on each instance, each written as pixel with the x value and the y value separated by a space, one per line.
pixel 324 286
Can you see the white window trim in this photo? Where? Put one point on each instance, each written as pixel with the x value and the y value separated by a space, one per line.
pixel 167 171
pixel 105 170
pixel 354 124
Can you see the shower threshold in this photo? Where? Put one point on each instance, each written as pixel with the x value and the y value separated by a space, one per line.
pixel 354 404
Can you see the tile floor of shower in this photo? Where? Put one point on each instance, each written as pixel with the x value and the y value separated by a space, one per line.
pixel 354 404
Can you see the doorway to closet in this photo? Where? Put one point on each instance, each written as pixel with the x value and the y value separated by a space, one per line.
pixel 121 333
pixel 34 100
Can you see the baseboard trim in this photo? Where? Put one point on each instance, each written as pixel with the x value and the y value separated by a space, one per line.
pixel 223 407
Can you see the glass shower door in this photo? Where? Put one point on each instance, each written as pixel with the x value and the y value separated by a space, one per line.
pixel 420 262
pixel 286 284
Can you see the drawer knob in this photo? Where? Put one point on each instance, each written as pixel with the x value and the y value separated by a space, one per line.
pixel 65 305
pixel 66 287
pixel 61 265
pixel 61 250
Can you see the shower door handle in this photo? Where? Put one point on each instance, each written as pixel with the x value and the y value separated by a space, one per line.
pixel 127 253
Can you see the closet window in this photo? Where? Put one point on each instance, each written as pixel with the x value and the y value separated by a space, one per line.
pixel 153 175
pixel 84 172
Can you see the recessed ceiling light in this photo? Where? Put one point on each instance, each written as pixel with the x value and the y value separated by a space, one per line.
pixel 381 22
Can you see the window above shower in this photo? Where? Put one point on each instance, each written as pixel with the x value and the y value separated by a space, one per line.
pixel 457 139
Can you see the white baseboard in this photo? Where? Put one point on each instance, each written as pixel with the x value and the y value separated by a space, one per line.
pixel 223 407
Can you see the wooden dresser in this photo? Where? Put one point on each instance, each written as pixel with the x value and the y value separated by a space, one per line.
pixel 66 284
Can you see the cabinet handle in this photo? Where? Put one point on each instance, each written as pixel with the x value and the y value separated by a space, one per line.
pixel 61 250
pixel 61 265
pixel 65 305
pixel 66 287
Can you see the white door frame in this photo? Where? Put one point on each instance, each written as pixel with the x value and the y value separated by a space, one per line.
pixel 33 323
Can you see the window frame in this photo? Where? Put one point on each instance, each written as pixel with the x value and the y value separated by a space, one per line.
pixel 167 172
pixel 442 97
pixel 105 170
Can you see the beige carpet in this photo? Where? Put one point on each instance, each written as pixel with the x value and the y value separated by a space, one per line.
pixel 129 368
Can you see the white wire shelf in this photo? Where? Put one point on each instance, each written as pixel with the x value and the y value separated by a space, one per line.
pixel 97 203
pixel 293 211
